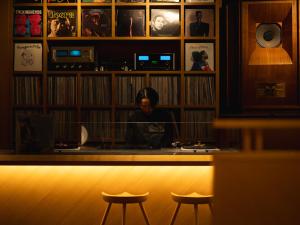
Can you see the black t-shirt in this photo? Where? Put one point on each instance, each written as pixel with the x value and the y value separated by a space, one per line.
pixel 153 130
pixel 199 29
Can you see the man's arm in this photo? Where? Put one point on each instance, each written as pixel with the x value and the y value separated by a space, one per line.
pixel 206 32
pixel 129 137
pixel 192 29
pixel 169 129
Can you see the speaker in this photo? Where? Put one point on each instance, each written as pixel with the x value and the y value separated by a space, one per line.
pixel 269 53
pixel 34 133
pixel 268 35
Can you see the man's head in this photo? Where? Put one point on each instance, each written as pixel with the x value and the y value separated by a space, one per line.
pixel 199 15
pixel 196 56
pixel 147 98
pixel 201 56
pixel 204 55
pixel 158 22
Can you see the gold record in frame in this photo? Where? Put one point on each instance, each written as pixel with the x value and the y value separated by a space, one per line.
pixel 268 35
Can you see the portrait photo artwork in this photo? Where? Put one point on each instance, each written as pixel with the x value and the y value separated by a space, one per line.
pixel 130 22
pixel 199 57
pixel 96 22
pixel 165 23
pixel 199 22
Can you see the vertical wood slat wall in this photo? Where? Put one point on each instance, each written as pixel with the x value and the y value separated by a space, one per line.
pixel 5 76
pixel 182 107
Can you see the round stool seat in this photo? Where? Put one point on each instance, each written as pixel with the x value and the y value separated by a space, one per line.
pixel 193 198
pixel 124 197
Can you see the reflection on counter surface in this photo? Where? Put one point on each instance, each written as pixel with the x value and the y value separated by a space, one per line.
pixel 45 134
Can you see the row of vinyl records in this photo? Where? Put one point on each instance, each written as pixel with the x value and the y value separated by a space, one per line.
pixel 27 90
pixel 95 90
pixel 97 22
pixel 167 87
pixel 61 90
pixel 99 125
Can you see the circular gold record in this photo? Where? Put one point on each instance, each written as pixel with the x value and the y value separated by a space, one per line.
pixel 268 35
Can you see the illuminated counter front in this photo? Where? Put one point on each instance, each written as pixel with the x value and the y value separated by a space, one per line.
pixel 66 189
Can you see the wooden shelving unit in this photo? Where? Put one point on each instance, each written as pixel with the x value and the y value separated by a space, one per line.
pixel 113 111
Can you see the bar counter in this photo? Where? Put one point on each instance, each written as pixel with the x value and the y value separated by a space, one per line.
pixel 106 160
pixel 66 188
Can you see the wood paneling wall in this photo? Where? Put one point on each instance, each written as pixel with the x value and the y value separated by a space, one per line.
pixel 256 189
pixel 5 75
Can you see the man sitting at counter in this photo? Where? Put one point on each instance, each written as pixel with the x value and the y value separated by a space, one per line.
pixel 149 127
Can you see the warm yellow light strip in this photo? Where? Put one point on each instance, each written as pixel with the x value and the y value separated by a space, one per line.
pixel 108 174
pixel 72 194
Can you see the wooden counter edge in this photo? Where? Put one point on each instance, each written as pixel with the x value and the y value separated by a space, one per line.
pixel 257 123
pixel 88 160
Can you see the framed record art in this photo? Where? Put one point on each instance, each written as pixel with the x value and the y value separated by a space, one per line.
pixel 95 1
pixel 269 55
pixel 130 22
pixel 62 22
pixel 28 1
pixel 28 57
pixel 28 22
pixel 130 1
pixel 62 1
pixel 200 1
pixel 199 22
pixel 164 0
pixel 96 22
pixel 199 57
pixel 165 22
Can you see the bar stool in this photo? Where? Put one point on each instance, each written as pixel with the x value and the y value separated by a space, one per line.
pixel 124 198
pixel 193 198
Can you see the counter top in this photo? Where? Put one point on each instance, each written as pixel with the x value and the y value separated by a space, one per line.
pixel 104 159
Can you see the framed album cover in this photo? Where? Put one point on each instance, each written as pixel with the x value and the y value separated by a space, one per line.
pixel 130 1
pixel 199 22
pixel 130 22
pixel 98 1
pixel 165 23
pixel 96 22
pixel 28 57
pixel 62 22
pixel 62 1
pixel 164 0
pixel 201 1
pixel 28 22
pixel 28 1
pixel 199 56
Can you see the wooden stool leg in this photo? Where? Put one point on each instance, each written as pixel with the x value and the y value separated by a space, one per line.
pixel 196 214
pixel 124 214
pixel 175 213
pixel 211 207
pixel 105 214
pixel 144 213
